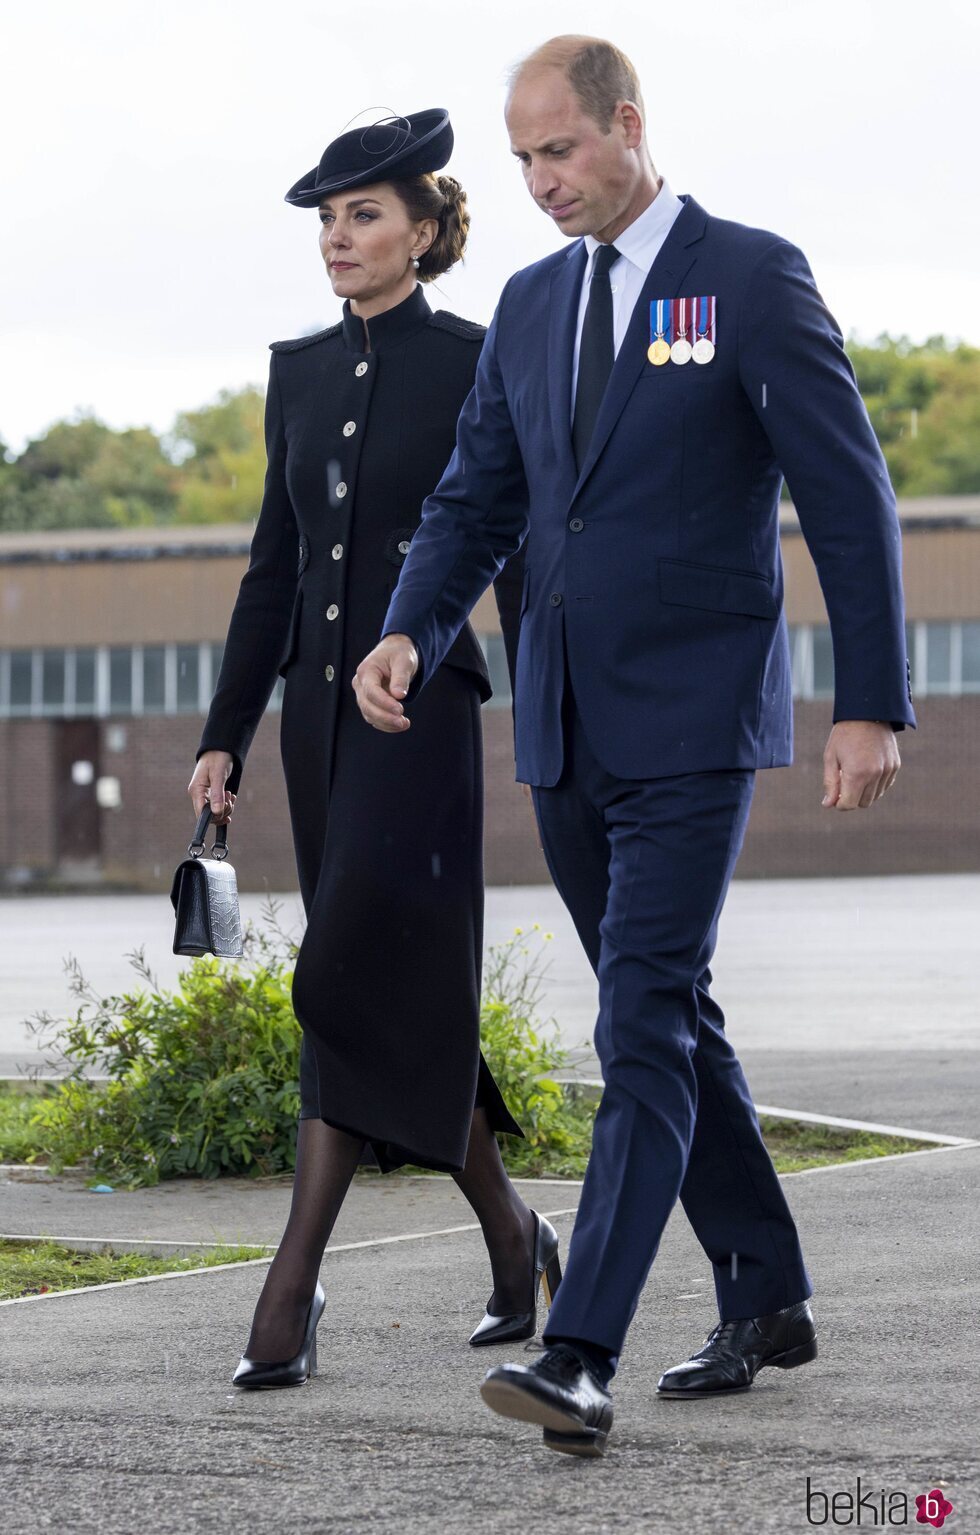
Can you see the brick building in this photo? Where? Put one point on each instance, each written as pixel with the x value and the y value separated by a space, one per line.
pixel 110 642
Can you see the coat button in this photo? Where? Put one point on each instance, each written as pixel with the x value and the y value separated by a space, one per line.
pixel 332 611
pixel 556 599
pixel 328 673
pixel 576 524
pixel 341 490
pixel 361 369
pixel 350 427
pixel 337 551
pixel 404 546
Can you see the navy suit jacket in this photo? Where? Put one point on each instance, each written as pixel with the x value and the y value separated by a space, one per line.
pixel 658 565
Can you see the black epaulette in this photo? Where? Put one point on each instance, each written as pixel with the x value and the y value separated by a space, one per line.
pixel 468 329
pixel 298 342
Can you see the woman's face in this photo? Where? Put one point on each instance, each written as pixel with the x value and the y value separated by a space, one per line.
pixel 367 241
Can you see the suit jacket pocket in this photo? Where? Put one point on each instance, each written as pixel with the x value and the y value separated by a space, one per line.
pixel 717 588
pixel 292 636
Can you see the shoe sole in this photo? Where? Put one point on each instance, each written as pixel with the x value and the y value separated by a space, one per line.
pixel 562 1430
pixel 790 1360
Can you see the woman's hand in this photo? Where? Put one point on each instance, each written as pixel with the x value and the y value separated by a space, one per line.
pixel 208 786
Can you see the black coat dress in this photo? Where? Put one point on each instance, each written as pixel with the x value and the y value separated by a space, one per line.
pixel 388 829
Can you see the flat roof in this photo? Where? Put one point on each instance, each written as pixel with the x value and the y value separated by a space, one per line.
pixel 228 539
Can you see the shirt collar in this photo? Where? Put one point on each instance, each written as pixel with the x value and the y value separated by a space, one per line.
pixel 641 240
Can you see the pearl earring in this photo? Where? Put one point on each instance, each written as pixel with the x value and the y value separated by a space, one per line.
pixel 415 262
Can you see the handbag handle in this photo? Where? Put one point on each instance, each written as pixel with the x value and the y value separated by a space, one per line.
pixel 219 848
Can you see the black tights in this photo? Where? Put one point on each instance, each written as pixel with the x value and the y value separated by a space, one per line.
pixel 326 1160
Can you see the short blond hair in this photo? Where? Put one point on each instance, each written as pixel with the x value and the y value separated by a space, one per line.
pixel 599 73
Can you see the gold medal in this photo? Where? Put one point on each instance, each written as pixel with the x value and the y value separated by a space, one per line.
pixel 658 352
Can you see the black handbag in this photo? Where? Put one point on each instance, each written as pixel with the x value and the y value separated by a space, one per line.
pixel 204 895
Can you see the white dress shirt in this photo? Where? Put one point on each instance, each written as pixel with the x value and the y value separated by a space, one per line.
pixel 638 246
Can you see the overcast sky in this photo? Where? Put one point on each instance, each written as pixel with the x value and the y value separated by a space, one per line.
pixel 148 256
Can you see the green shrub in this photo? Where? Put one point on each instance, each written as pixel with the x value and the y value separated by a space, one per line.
pixel 557 1125
pixel 203 1079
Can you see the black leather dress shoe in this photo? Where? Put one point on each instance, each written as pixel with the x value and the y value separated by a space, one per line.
pixel 560 1392
pixel 255 1375
pixel 734 1353
pixel 545 1275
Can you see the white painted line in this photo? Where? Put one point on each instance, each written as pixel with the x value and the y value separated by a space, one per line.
pixel 807 1118
pixel 217 1268
pixel 895 1156
pixel 863 1124
pixel 9 1236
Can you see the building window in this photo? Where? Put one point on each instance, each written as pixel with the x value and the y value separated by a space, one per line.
pixel 188 679
pixel 938 658
pixel 154 679
pixel 496 657
pixel 21 681
pixel 84 682
pixel 823 663
pixel 53 681
pixel 970 657
pixel 120 681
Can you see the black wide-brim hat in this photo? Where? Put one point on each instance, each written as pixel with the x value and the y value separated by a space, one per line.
pixel 394 149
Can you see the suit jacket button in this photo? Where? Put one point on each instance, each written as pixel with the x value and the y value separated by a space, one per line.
pixel 332 611
pixel 328 673
pixel 341 490
pixel 556 599
pixel 576 524
pixel 337 551
pixel 404 546
pixel 361 369
pixel 350 427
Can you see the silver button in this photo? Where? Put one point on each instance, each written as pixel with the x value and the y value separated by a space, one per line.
pixel 341 490
pixel 328 673
pixel 404 546
pixel 350 427
pixel 332 611
pixel 337 551
pixel 361 369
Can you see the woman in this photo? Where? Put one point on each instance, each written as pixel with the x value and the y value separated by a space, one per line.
pixel 360 422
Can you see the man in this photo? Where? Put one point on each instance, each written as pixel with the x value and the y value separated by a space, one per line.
pixel 638 400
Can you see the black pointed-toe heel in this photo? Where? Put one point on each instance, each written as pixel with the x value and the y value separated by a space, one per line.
pixel 547 1277
pixel 253 1375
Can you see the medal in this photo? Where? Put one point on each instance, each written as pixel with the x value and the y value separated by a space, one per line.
pixel 680 352
pixel 659 350
pixel 704 347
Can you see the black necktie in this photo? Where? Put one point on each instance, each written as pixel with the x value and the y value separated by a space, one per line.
pixel 595 358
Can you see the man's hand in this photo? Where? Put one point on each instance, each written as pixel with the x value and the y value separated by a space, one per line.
pixel 382 680
pixel 860 762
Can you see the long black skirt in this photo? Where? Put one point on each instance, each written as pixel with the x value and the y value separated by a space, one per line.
pixel 388 831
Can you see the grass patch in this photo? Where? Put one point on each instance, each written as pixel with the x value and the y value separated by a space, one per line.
pixel 36 1268
pixel 795 1145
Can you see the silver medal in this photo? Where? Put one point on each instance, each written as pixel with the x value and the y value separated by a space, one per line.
pixel 703 350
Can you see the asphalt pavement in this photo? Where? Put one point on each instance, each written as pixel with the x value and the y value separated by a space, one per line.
pixel 118 1414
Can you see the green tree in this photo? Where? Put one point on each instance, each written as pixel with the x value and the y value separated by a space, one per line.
pixel 221 451
pixel 924 404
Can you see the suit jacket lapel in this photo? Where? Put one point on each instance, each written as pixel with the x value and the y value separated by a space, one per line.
pixel 566 289
pixel 669 270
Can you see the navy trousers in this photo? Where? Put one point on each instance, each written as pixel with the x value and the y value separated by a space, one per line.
pixel 643 867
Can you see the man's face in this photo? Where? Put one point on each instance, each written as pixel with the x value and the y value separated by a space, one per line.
pixel 580 176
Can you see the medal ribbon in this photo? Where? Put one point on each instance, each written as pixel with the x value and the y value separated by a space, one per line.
pixel 659 320
pixel 681 319
pixel 706 317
